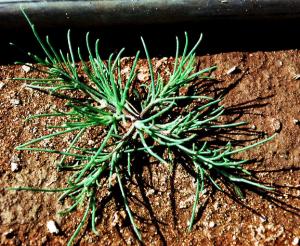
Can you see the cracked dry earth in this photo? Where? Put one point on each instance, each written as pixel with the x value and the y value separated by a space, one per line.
pixel 262 88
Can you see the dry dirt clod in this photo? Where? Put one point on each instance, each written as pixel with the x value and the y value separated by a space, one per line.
pixel 187 202
pixel 118 218
pixel 277 125
pixel 160 62
pixel 143 74
pixel 52 227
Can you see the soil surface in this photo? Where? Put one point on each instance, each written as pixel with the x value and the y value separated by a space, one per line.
pixel 263 89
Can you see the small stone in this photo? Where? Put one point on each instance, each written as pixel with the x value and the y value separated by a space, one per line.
pixel 44 240
pixel 211 224
pixel 296 121
pixel 261 229
pixel 296 241
pixel 126 71
pixel 278 63
pixel 276 125
pixel 253 127
pixel 150 192
pixel 263 219
pixel 9 234
pixel 15 102
pixel 216 205
pixel 103 104
pixel 26 68
pixel 14 166
pixel 296 77
pixel 1 85
pixel 91 142
pixel 113 179
pixel 143 74
pixel 52 228
pixel 160 62
pixel 232 70
pixel 187 202
pixel 116 219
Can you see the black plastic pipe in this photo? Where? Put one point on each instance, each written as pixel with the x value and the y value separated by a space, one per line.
pixel 76 13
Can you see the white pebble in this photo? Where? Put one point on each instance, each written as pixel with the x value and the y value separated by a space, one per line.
pixel 14 166
pixel 211 224
pixel 231 70
pixel 26 68
pixel 91 142
pixel 296 241
pixel 52 228
pixel 296 121
pixel 150 192
pixel 103 103
pixel 296 76
pixel 263 219
pixel 1 85
pixel 15 102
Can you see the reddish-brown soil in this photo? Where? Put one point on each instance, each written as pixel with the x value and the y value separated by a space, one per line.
pixel 263 91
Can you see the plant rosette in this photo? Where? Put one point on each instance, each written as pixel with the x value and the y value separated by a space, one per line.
pixel 131 125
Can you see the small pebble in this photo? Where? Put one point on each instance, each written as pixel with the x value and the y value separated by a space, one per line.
pixel 103 103
pixel 44 240
pixel 211 224
pixel 15 102
pixel 296 76
pixel 278 63
pixel 263 219
pixel 1 85
pixel 52 228
pixel 91 142
pixel 143 74
pixel 9 234
pixel 14 167
pixel 150 192
pixel 296 121
pixel 232 70
pixel 296 241
pixel 26 68
pixel 117 219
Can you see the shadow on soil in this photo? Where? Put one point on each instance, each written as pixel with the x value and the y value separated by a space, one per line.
pixel 219 36
pixel 275 197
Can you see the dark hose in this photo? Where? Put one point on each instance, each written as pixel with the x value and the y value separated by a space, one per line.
pixel 77 13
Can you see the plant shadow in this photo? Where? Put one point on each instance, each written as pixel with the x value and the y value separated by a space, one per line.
pixel 142 170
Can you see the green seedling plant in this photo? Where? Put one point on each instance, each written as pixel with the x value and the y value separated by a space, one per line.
pixel 131 127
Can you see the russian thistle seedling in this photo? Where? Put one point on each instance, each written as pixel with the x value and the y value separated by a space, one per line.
pixel 164 117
